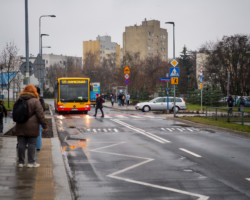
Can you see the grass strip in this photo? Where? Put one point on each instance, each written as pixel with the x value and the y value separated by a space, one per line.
pixel 232 126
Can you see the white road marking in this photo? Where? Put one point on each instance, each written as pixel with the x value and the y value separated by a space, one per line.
pixel 170 129
pixel 163 129
pixel 149 116
pixel 88 129
pixel 147 134
pixel 190 129
pixel 248 179
pixel 94 130
pixel 110 129
pixel 135 116
pixel 190 152
pixel 180 129
pixel 105 130
pixel 146 160
pixel 121 116
pixel 99 129
pixel 115 130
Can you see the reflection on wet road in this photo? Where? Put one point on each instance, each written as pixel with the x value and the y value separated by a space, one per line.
pixel 137 156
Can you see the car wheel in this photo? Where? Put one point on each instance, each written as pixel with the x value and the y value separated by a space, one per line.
pixel 146 109
pixel 176 108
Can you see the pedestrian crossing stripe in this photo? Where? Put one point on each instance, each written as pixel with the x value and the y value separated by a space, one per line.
pixel 178 129
pixel 111 117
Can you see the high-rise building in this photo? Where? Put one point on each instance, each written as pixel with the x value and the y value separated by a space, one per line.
pixel 149 40
pixel 102 48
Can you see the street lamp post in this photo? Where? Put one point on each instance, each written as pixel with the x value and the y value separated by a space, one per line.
pixel 40 38
pixel 40 47
pixel 173 58
pixel 41 66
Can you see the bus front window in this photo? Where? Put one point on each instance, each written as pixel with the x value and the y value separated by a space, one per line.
pixel 74 92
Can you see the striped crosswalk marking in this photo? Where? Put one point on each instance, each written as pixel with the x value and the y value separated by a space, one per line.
pixel 170 129
pixel 116 130
pixel 94 130
pixel 180 129
pixel 190 129
pixel 105 130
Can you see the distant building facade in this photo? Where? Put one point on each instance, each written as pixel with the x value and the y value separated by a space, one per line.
pixel 61 60
pixel 149 40
pixel 102 48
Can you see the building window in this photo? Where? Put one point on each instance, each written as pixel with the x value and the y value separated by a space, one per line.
pixel 156 44
pixel 163 43
pixel 149 33
pixel 149 48
pixel 156 37
pixel 47 61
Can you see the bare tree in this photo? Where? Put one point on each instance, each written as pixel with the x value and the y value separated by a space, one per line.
pixel 9 61
pixel 230 55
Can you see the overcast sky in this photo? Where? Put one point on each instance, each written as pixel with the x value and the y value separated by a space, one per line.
pixel 196 21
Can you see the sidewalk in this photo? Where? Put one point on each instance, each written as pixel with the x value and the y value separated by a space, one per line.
pixel 47 182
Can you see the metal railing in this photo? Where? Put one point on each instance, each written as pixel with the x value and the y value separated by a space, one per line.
pixel 231 115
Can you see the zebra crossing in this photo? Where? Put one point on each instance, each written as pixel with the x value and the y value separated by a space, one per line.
pixel 166 130
pixel 138 117
pixel 180 130
pixel 100 130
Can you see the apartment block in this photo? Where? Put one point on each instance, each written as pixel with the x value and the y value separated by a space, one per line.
pixel 149 39
pixel 102 48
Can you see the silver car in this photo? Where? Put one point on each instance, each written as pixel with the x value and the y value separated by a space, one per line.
pixel 160 104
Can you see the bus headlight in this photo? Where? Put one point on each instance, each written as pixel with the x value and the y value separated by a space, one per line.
pixel 60 106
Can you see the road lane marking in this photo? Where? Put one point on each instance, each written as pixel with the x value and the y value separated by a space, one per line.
pixel 94 130
pixel 170 129
pixel 115 130
pixel 190 129
pixel 147 134
pixel 163 129
pixel 145 161
pixel 180 129
pixel 248 179
pixel 105 130
pixel 190 152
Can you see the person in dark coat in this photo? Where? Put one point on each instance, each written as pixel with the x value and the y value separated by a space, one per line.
pixel 3 113
pixel 99 102
pixel 28 131
pixel 230 103
pixel 39 138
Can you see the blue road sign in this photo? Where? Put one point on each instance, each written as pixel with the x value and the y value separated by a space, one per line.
pixel 201 77
pixel 164 79
pixel 127 81
pixel 174 71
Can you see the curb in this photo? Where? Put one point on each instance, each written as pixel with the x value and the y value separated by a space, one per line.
pixel 61 180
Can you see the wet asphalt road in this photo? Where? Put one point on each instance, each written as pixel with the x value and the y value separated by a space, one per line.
pixel 133 155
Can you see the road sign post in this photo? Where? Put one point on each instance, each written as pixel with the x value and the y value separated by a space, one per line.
pixel 174 74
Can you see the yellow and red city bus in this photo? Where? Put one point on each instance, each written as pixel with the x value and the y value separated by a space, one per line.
pixel 72 95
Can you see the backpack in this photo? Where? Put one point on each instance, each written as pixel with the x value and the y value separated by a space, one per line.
pixel 20 111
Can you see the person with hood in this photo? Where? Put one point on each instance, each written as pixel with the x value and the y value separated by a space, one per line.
pixel 3 113
pixel 28 131
pixel 99 102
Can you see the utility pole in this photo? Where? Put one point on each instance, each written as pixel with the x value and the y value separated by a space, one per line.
pixel 27 42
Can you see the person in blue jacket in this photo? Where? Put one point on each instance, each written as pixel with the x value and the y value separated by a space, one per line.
pixel 39 138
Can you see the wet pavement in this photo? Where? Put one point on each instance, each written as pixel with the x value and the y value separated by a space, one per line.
pixel 48 182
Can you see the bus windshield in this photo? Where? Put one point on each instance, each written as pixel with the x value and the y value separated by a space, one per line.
pixel 74 92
